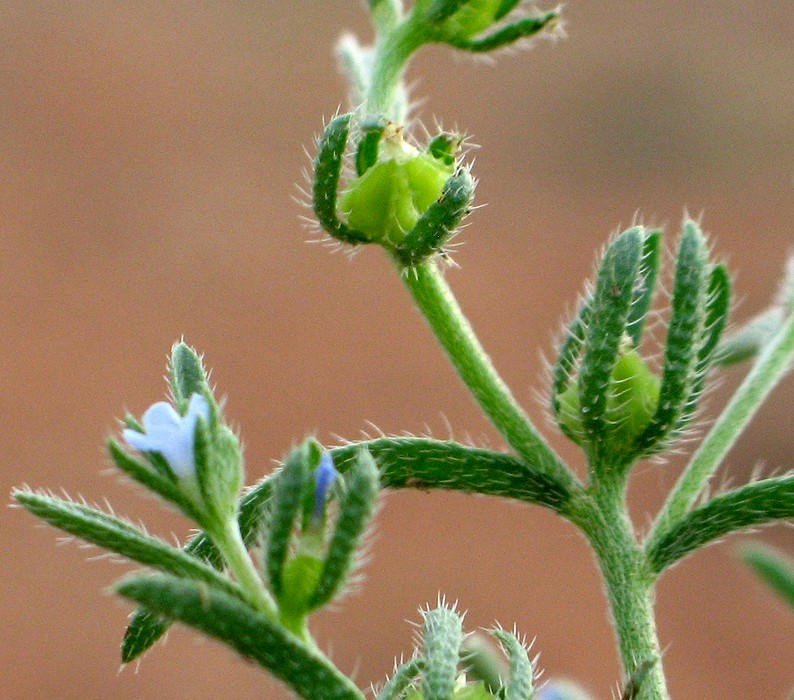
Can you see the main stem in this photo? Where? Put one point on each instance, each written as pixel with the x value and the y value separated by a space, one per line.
pixel 603 516
pixel 454 332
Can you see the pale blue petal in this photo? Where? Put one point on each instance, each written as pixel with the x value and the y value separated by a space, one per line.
pixel 198 406
pixel 137 440
pixel 324 477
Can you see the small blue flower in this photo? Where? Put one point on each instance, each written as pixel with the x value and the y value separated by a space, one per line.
pixel 324 476
pixel 170 434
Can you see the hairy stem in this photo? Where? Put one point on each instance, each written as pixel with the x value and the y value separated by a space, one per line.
pixel 392 52
pixel 439 307
pixel 603 516
pixel 230 543
pixel 769 368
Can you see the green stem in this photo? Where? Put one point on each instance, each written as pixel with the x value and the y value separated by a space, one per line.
pixel 392 52
pixel 453 331
pixel 230 544
pixel 769 368
pixel 603 516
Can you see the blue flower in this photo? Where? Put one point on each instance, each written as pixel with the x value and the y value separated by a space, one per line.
pixel 324 477
pixel 170 434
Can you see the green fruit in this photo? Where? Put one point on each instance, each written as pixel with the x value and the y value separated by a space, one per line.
pixel 471 19
pixel 631 402
pixel 387 200
pixel 299 582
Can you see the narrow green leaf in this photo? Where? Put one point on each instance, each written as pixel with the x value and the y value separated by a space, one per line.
pixel 752 505
pixel 187 375
pixel 435 227
pixel 774 568
pixel 285 506
pixel 442 634
pixel 646 286
pixel 521 685
pixel 401 680
pixel 154 481
pixel 109 532
pixel 614 292
pixel 684 336
pixel 327 171
pixel 355 514
pixel 522 29
pixel 250 633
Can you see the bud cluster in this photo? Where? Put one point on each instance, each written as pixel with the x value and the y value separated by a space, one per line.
pixel 604 395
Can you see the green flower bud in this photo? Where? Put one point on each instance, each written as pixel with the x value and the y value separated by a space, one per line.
pixel 633 395
pixel 389 198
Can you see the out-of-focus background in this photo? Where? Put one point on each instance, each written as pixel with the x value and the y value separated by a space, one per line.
pixel 148 158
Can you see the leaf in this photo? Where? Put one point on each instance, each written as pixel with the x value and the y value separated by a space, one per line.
pixel 442 633
pixel 356 510
pixel 775 569
pixel 250 633
pixel 109 532
pixel 752 505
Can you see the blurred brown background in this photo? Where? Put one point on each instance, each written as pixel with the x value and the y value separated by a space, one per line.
pixel 148 155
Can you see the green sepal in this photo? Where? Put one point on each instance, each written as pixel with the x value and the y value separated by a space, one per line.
pixel 143 631
pixel 683 343
pixel 442 634
pixel 445 147
pixel 166 488
pixel 401 680
pixel 249 632
pixel 568 356
pixel 356 509
pixel 521 685
pixel 774 568
pixel 187 376
pixel 368 146
pixel 284 509
pixel 522 29
pixel 646 286
pixel 109 532
pixel 435 227
pixel 219 469
pixel 755 504
pixel 328 165
pixel 299 579
pixel 609 313
pixel 473 691
pixel 718 303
